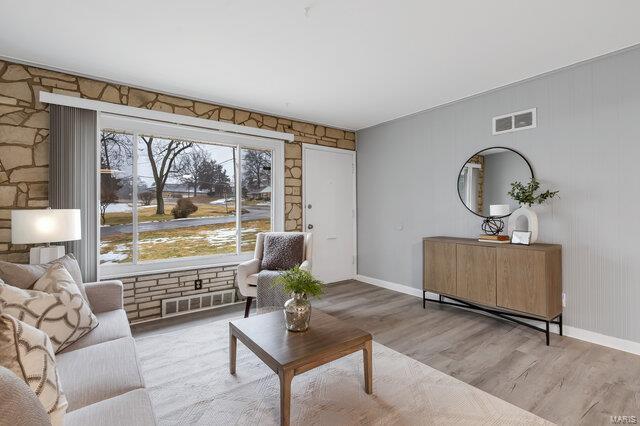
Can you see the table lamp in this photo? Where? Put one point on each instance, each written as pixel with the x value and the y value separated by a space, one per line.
pixel 45 226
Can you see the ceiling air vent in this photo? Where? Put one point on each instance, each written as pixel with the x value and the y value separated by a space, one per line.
pixel 514 121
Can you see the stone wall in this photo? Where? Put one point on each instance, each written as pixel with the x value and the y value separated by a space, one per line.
pixel 143 294
pixel 24 132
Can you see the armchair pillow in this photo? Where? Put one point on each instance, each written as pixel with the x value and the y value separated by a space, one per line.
pixel 27 352
pixel 24 276
pixel 282 251
pixel 54 305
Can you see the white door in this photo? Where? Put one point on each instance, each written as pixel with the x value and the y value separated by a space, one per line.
pixel 329 211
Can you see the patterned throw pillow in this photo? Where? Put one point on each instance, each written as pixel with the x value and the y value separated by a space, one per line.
pixel 28 353
pixel 24 276
pixel 55 306
pixel 282 251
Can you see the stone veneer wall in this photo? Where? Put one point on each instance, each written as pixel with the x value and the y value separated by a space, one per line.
pixel 24 147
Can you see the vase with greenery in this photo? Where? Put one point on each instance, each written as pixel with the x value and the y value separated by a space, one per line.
pixel 300 284
pixel 526 196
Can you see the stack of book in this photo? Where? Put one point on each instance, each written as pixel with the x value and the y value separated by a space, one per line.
pixel 500 239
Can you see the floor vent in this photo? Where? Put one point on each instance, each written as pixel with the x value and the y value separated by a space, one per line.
pixel 197 302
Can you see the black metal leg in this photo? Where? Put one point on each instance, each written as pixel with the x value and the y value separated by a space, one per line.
pixel 247 307
pixel 440 298
pixel 547 332
pixel 560 324
pixel 424 299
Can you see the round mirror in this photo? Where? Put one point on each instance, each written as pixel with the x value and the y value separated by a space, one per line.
pixel 485 180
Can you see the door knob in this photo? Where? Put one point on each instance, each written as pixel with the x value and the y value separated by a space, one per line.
pixel 309 226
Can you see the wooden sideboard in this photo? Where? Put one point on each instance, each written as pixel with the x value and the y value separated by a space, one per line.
pixel 507 280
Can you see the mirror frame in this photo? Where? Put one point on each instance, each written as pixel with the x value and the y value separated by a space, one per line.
pixel 478 152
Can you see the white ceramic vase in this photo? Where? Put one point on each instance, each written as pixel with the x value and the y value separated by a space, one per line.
pixel 532 222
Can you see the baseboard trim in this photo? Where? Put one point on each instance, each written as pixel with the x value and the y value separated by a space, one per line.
pixel 400 288
pixel 576 333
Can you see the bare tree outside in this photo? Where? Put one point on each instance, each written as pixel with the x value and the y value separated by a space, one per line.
pixel 162 156
pixel 115 154
pixel 256 169
pixel 191 168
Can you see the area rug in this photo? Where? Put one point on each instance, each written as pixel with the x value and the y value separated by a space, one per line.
pixel 187 375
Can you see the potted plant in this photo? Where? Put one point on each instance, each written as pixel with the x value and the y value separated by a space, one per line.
pixel 300 284
pixel 526 196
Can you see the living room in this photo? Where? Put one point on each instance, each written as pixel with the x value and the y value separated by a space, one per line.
pixel 319 213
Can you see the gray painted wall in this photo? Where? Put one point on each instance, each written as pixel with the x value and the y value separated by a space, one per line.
pixel 587 145
pixel 500 170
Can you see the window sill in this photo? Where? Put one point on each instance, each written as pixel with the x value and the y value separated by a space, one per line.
pixel 116 271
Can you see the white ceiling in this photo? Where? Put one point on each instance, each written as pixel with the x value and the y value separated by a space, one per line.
pixel 346 63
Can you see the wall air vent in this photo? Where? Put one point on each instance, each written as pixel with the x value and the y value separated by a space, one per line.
pixel 514 121
pixel 197 302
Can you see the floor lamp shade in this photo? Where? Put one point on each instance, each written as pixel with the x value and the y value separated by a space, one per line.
pixel 45 226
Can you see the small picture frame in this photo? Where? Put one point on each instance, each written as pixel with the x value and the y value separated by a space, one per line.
pixel 521 237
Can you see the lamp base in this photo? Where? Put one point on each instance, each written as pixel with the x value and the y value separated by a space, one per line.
pixel 492 225
pixel 39 255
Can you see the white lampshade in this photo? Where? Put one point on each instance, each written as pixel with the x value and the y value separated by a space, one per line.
pixel 498 210
pixel 44 226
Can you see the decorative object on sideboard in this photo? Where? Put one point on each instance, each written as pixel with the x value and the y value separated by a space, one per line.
pixel 526 196
pixel 521 237
pixel 45 226
pixel 300 284
pixel 494 225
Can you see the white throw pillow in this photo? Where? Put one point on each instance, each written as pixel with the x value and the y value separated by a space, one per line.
pixel 28 353
pixel 54 305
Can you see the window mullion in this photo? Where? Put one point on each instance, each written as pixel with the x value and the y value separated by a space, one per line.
pixel 134 199
pixel 238 177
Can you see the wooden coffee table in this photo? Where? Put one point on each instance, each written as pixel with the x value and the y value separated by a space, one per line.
pixel 291 353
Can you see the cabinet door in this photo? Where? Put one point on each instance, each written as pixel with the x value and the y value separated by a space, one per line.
pixel 521 280
pixel 476 274
pixel 440 267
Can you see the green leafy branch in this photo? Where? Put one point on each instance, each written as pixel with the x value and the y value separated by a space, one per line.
pixel 525 194
pixel 296 280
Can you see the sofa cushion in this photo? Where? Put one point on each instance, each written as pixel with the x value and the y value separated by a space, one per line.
pixel 19 405
pixel 112 325
pixel 282 251
pixel 129 409
pixel 54 305
pixel 24 276
pixel 28 353
pixel 99 372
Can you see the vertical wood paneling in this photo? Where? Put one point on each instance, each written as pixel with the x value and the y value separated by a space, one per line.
pixel 587 145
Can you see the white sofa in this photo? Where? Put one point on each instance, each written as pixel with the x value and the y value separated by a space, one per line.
pixel 247 274
pixel 100 373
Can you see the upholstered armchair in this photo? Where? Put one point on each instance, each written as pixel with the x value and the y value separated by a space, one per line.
pixel 248 271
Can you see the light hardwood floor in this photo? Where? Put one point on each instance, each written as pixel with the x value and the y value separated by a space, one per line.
pixel 570 382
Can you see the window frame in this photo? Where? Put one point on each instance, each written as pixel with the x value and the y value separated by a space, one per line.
pixel 138 126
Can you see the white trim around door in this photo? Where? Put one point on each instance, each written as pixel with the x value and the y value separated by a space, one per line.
pixel 305 149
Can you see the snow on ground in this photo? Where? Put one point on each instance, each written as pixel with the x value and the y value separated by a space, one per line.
pixel 222 201
pixel 215 239
pixel 125 207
